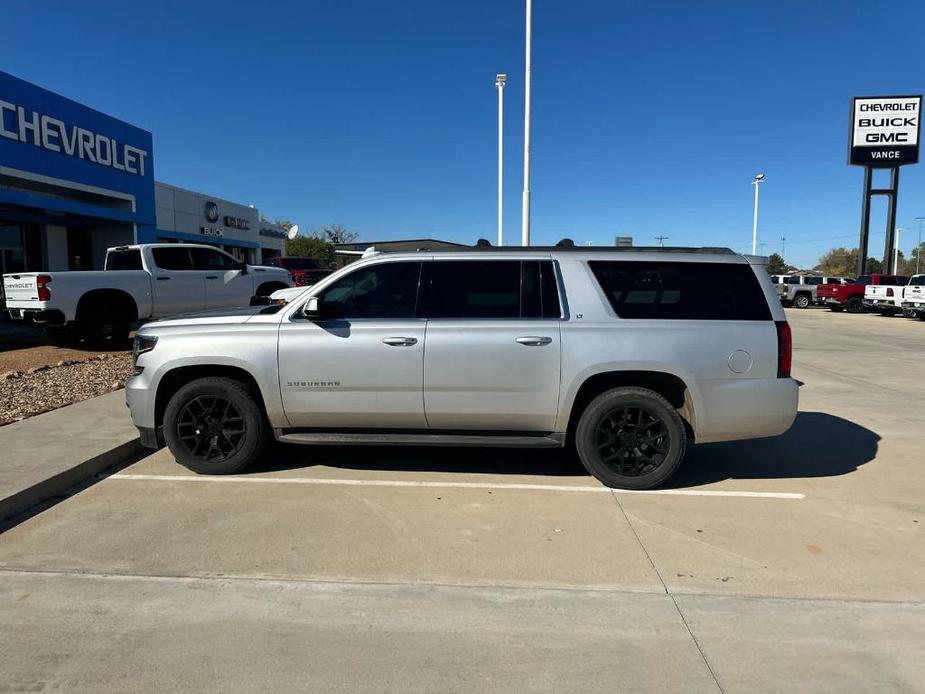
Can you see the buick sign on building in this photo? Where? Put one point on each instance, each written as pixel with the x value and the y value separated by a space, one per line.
pixel 74 181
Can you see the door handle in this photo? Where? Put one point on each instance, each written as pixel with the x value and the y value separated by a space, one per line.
pixel 400 341
pixel 211 277
pixel 161 279
pixel 533 340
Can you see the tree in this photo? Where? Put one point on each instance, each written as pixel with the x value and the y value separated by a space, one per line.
pixel 335 233
pixel 843 262
pixel 776 264
pixel 310 247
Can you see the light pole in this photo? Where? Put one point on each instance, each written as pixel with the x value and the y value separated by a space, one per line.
pixel 661 240
pixel 499 83
pixel 918 248
pixel 783 247
pixel 757 183
pixel 525 221
pixel 896 252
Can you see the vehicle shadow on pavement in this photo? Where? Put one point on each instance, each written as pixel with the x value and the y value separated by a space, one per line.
pixel 817 445
pixel 498 461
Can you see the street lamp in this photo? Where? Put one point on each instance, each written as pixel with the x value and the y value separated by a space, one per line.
pixel 525 219
pixel 499 83
pixel 896 252
pixel 757 182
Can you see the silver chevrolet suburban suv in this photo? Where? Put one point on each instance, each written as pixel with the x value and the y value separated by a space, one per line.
pixel 626 354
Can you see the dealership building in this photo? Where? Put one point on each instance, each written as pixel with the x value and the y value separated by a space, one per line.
pixel 74 181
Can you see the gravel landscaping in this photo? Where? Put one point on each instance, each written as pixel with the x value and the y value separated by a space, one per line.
pixel 43 388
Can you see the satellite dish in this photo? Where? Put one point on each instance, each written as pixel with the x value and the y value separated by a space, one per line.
pixel 293 231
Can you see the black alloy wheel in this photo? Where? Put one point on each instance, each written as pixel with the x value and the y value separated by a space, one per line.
pixel 633 441
pixel 211 428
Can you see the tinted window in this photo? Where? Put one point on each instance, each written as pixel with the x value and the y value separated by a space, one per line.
pixel 813 280
pixel 387 290
pixel 682 291
pixel 172 258
pixel 775 279
pixel 208 259
pixel 863 279
pixel 489 289
pixel 919 280
pixel 793 279
pixel 123 260
pixel 539 297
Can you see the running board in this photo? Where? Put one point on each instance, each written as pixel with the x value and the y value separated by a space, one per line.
pixel 405 439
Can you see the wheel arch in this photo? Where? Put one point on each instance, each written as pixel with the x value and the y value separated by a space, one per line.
pixel 268 287
pixel 176 378
pixel 671 386
pixel 110 298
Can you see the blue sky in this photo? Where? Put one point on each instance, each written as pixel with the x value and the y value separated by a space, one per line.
pixel 648 117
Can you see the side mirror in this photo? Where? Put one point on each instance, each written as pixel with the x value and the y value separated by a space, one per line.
pixel 312 309
pixel 242 266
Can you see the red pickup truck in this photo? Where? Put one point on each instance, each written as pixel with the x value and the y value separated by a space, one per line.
pixel 850 297
pixel 304 271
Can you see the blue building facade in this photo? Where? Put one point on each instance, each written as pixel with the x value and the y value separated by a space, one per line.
pixel 74 181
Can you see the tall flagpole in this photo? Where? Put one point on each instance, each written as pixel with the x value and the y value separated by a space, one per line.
pixel 525 224
pixel 499 83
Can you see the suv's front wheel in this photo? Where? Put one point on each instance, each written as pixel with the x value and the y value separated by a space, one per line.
pixel 630 438
pixel 214 426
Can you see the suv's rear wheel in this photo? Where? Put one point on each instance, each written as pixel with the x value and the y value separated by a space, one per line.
pixel 214 426
pixel 630 438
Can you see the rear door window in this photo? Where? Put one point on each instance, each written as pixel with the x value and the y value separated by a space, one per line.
pixel 681 291
pixel 172 258
pixel 489 289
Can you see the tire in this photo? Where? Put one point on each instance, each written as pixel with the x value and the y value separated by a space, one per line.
pixel 854 305
pixel 237 432
pixel 908 313
pixel 104 330
pixel 801 301
pixel 63 336
pixel 615 415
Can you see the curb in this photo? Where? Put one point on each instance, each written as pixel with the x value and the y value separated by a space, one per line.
pixel 57 485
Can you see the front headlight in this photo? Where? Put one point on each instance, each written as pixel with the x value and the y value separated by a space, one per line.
pixel 143 343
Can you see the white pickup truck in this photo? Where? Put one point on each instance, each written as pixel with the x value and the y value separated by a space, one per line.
pixel 138 283
pixel 887 298
pixel 913 301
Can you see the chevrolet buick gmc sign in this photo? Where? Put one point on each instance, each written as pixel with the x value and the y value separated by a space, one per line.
pixel 885 130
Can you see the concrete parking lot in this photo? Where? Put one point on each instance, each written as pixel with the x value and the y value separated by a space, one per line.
pixel 786 564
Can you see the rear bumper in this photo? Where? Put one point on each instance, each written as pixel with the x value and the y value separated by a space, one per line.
pixel 748 408
pixel 50 317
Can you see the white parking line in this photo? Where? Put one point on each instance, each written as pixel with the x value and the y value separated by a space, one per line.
pixel 452 485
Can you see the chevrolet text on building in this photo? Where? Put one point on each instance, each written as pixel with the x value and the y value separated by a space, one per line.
pixel 75 182
pixel 885 130
pixel 41 130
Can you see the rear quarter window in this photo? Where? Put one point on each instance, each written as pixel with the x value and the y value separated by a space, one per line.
pixel 681 291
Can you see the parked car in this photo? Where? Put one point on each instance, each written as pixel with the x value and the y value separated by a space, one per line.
pixel 627 355
pixel 913 303
pixel 137 283
pixel 304 271
pixel 800 290
pixel 886 297
pixel 850 297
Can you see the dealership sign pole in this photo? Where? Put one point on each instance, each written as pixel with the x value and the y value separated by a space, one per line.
pixel 884 134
